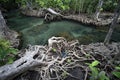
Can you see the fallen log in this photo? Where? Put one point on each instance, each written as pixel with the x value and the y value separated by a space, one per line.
pixel 23 64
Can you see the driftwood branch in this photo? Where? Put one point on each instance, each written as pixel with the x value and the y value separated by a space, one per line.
pixel 51 15
pixel 53 12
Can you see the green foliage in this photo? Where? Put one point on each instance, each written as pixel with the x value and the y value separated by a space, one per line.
pixel 61 4
pixel 96 74
pixel 91 6
pixel 102 76
pixel 6 52
pixel 117 72
pixel 8 4
pixel 69 60
pixel 4 0
pixel 88 6
pixel 54 50
pixel 94 70
pixel 117 68
pixel 109 5
pixel 64 74
pixel 94 63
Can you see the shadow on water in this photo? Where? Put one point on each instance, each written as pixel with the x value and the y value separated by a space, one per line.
pixel 35 31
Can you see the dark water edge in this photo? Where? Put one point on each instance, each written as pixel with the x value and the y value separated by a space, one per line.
pixel 34 31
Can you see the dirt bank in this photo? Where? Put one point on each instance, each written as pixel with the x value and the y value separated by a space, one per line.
pixel 105 18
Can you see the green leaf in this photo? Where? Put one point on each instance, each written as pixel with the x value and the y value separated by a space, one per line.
pixel 13 51
pixel 10 60
pixel 94 72
pixel 117 74
pixel 115 4
pixel 63 7
pixel 118 68
pixel 54 49
pixel 102 76
pixel 101 9
pixel 64 74
pixel 95 63
pixel 69 61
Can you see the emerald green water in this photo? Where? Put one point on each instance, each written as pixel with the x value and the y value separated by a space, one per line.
pixel 34 31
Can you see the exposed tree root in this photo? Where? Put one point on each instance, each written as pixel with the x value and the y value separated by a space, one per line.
pixel 61 60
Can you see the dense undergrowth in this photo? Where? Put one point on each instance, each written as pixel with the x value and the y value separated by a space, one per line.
pixel 75 6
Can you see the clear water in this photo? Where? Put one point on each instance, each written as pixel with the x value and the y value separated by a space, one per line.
pixel 34 31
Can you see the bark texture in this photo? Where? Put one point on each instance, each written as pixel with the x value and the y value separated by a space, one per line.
pixel 3 27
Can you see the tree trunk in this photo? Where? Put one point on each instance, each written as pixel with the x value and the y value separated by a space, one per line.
pixel 2 26
pixel 112 26
pixel 97 13
pixel 8 34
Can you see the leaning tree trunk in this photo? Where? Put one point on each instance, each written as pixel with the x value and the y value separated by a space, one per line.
pixel 2 26
pixel 98 9
pixel 8 34
pixel 112 26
